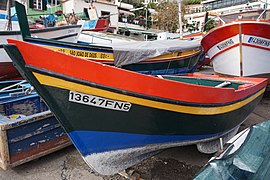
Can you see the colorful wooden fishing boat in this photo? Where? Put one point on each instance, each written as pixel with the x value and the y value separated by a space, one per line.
pixel 116 118
pixel 28 130
pixel 240 48
pixel 162 57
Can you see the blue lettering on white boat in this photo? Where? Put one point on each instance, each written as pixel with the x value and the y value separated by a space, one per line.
pixel 225 44
pixel 96 101
pixel 259 41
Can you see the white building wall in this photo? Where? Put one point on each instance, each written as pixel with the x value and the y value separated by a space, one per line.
pixel 108 8
pixel 79 5
pixel 71 5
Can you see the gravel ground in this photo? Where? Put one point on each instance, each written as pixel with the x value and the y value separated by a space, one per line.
pixel 176 163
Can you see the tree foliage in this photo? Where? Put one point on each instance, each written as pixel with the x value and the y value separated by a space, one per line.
pixel 167 16
pixel 210 24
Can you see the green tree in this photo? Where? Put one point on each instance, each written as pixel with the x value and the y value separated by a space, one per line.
pixel 210 24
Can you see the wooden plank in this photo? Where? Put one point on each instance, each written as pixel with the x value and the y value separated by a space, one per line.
pixel 5 158
pixel 62 143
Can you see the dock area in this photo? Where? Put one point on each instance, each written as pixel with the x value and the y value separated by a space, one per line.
pixel 175 163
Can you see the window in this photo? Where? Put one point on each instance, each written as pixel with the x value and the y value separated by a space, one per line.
pixel 53 2
pixel 38 4
pixel 105 14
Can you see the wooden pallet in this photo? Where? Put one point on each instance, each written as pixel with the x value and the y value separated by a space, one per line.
pixel 30 137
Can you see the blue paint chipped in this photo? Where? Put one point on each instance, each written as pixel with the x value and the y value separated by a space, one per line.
pixel 89 142
pixel 36 127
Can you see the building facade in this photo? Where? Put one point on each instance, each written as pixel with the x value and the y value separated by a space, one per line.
pixel 230 6
pixel 227 10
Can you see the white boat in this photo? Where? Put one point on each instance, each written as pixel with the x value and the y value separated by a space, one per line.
pixel 240 48
pixel 104 38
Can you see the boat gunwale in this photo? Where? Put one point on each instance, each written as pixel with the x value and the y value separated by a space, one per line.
pixel 135 94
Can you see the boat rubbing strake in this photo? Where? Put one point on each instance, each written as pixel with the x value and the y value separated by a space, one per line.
pixel 116 118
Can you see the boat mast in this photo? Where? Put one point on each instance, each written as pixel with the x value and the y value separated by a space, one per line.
pixel 9 27
pixel 180 18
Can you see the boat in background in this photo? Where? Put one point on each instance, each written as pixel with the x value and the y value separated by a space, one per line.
pixel 95 32
pixel 28 129
pixel 116 118
pixel 147 57
pixel 69 33
pixel 246 156
pixel 102 38
pixel 240 48
pixel 248 13
pixel 4 21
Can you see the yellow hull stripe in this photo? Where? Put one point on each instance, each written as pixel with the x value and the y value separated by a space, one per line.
pixel 63 84
pixel 110 57
pixel 84 54
pixel 176 55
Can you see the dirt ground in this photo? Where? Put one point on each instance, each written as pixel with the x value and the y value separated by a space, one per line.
pixel 172 164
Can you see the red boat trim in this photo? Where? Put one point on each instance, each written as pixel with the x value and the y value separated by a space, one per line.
pixel 223 50
pixel 229 30
pixel 263 29
pixel 219 34
pixel 255 46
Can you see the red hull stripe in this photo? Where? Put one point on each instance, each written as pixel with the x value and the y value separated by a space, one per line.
pixel 218 34
pixel 257 29
pixel 223 50
pixel 260 29
pixel 255 46
pixel 235 45
pixel 131 81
